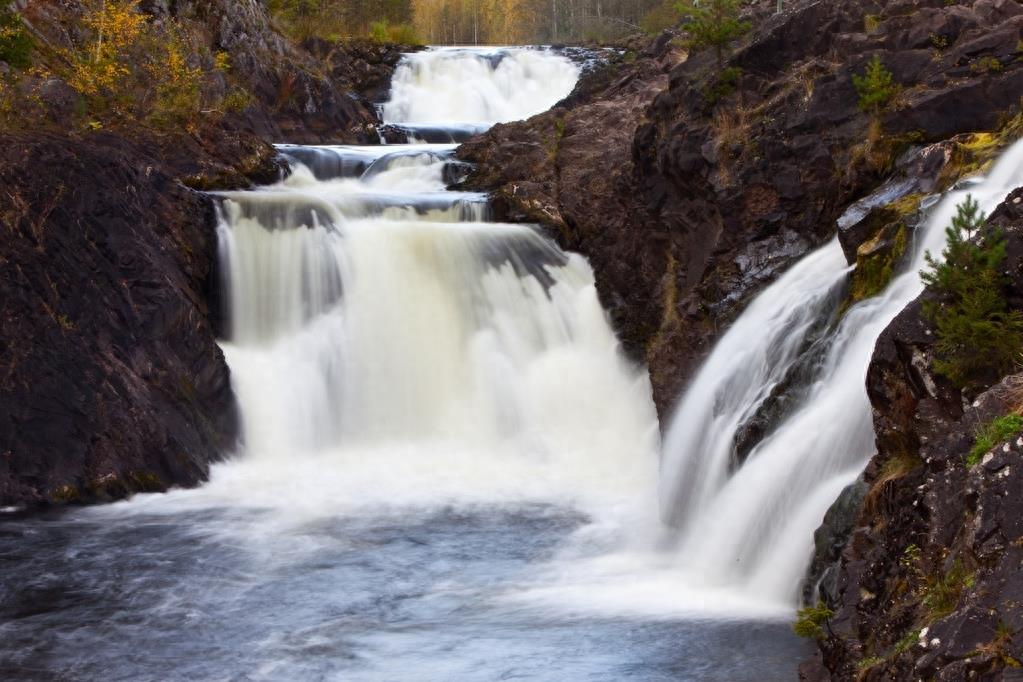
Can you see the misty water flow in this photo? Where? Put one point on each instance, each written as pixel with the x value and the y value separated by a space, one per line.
pixel 746 524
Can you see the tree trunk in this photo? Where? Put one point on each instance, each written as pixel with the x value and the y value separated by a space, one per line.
pixel 102 25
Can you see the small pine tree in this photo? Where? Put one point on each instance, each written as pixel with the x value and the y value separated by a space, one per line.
pixel 713 23
pixel 875 87
pixel 978 337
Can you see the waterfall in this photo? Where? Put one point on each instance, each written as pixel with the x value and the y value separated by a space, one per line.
pixel 451 94
pixel 383 334
pixel 478 86
pixel 748 525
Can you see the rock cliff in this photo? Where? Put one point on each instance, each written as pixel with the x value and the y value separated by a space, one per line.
pixel 927 584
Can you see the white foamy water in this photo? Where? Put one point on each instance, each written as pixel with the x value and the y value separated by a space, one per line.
pixel 411 356
pixel 749 527
pixel 478 86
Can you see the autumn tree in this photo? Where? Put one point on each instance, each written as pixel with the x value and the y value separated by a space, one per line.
pixel 101 67
pixel 15 42
pixel 128 67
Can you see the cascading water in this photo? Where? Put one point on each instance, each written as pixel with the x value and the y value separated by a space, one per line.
pixel 376 309
pixel 450 95
pixel 749 527
pixel 448 471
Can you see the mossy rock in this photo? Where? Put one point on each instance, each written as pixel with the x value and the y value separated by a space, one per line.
pixel 146 482
pixel 66 494
pixel 973 153
pixel 876 262
pixel 878 258
pixel 108 487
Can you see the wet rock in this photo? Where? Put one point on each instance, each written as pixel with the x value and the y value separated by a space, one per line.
pixel 821 582
pixel 919 172
pixel 113 379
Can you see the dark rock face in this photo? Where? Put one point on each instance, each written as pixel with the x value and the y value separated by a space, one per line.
pixel 363 68
pixel 297 99
pixel 927 585
pixel 829 540
pixel 113 381
pixel 725 185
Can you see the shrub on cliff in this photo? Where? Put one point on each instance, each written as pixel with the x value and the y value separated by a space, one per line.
pixel 15 42
pixel 978 337
pixel 128 68
pixel 875 87
pixel 713 23
pixel 811 621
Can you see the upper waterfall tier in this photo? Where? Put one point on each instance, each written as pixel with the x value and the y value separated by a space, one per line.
pixel 447 89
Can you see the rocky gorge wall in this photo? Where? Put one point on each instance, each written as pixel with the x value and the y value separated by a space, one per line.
pixel 112 378
pixel 690 193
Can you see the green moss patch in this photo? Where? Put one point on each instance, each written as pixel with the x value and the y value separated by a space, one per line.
pixel 993 433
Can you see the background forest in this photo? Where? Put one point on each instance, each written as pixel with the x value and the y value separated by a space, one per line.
pixel 468 22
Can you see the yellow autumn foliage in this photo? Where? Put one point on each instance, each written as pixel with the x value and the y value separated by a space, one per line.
pixel 100 68
pixel 178 96
pixel 129 67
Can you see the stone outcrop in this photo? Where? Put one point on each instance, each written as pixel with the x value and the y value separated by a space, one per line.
pixel 928 584
pixel 112 380
pixel 733 175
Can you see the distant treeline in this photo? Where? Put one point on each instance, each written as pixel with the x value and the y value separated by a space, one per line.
pixel 468 22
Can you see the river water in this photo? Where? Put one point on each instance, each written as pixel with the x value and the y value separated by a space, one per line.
pixel 448 469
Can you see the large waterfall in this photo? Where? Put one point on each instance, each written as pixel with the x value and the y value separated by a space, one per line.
pixel 379 327
pixel 450 95
pixel 477 86
pixel 746 523
pixel 394 347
